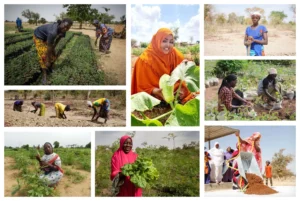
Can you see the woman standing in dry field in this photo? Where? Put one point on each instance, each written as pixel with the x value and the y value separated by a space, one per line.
pixel 50 164
pixel 106 34
pixel 104 105
pixel 160 57
pixel 250 144
pixel 122 156
pixel 45 38
pixel 256 37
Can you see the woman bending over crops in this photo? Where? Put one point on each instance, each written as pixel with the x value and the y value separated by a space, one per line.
pixel 268 87
pixel 45 38
pixel 50 164
pixel 38 105
pixel 250 144
pixel 60 110
pixel 256 36
pixel 160 57
pixel 18 105
pixel 106 34
pixel 104 105
pixel 227 96
pixel 122 156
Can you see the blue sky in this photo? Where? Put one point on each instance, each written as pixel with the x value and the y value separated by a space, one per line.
pixel 147 19
pixel 240 9
pixel 151 137
pixel 273 139
pixel 48 11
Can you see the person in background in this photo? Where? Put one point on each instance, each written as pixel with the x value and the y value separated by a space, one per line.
pixel 104 107
pixel 18 105
pixel 217 161
pixel 50 164
pixel 227 176
pixel 46 38
pixel 268 88
pixel 121 157
pixel 60 110
pixel 38 105
pixel 207 168
pixel 268 173
pixel 106 34
pixel 256 36
pixel 226 95
pixel 19 24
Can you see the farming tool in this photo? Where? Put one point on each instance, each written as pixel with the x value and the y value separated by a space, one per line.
pixel 246 164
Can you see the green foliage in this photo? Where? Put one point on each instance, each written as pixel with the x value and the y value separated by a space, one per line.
pixel 277 17
pixel 178 168
pixel 226 67
pixel 279 164
pixel 142 172
pixel 18 48
pixel 12 40
pixel 56 144
pixel 31 16
pixel 137 51
pixel 47 96
pixel 144 45
pixel 183 115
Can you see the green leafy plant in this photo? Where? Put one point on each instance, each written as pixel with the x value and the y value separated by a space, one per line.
pixel 179 115
pixel 142 172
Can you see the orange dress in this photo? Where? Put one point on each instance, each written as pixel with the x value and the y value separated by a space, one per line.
pixel 268 171
pixel 153 63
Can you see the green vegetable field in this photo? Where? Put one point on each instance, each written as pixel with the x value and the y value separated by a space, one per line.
pixel 22 172
pixel 249 74
pixel 178 170
pixel 76 63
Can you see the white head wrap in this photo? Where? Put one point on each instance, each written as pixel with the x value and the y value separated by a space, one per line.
pixel 89 103
pixel 272 71
pixel 256 13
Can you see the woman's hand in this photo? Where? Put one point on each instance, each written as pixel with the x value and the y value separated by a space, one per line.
pixel 38 157
pixel 158 93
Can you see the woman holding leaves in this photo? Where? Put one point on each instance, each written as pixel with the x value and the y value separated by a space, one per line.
pixel 50 164
pixel 45 38
pixel 160 57
pixel 122 156
pixel 106 34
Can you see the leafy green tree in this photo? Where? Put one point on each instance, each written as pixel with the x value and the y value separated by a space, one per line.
pixel 279 164
pixel 277 17
pixel 221 19
pixel 79 12
pixel 56 144
pixel 42 21
pixel 31 16
pixel 88 145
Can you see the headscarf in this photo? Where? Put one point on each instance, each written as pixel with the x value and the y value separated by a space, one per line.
pixel 161 63
pixel 272 71
pixel 146 77
pixel 256 13
pixel 217 155
pixel 89 103
pixel 121 158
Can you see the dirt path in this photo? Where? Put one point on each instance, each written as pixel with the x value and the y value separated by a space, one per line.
pixel 79 116
pixel 224 43
pixel 288 106
pixel 65 188
pixel 113 64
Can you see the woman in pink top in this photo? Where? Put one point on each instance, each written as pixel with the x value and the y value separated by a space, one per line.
pixel 122 156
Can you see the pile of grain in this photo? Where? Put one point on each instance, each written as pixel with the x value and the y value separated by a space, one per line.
pixel 256 186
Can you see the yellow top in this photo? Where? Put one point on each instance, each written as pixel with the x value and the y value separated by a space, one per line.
pixel 60 107
pixel 99 102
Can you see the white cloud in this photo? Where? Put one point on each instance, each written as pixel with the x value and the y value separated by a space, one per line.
pixel 146 20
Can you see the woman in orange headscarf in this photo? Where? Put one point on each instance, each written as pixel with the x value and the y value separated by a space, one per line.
pixel 160 57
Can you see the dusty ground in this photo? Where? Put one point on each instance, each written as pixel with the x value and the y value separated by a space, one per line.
pixel 79 116
pixel 64 189
pixel 211 95
pixel 113 64
pixel 226 42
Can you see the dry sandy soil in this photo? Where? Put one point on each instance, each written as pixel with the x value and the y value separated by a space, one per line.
pixel 65 187
pixel 211 95
pixel 226 42
pixel 113 64
pixel 79 116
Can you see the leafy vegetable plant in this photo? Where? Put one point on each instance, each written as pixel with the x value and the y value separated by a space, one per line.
pixel 179 115
pixel 142 172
